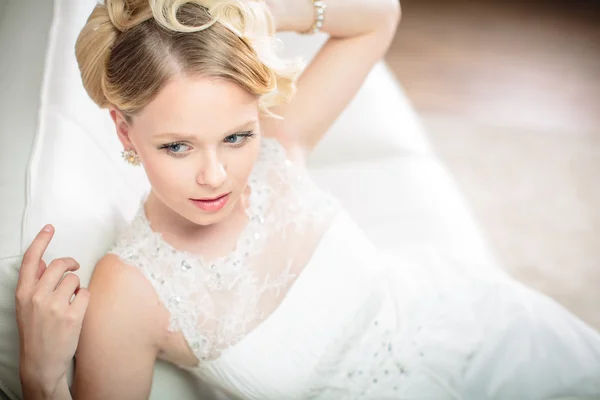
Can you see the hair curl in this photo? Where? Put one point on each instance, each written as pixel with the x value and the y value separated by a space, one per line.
pixel 129 49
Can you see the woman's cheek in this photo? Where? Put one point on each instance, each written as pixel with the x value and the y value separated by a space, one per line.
pixel 166 174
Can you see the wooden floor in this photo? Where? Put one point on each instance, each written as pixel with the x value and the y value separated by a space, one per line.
pixel 526 63
pixel 509 93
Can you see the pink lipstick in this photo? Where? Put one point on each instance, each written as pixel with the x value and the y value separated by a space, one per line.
pixel 211 205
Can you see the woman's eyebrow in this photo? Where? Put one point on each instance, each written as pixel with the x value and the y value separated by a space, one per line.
pixel 191 137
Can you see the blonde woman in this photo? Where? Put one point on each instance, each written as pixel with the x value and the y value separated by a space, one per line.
pixel 237 267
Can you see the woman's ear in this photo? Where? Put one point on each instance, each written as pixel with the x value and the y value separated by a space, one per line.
pixel 122 127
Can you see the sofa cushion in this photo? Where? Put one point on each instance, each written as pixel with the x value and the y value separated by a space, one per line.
pixel 406 204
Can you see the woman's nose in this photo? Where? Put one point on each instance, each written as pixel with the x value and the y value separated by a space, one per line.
pixel 212 172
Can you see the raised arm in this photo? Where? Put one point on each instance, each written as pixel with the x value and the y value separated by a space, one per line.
pixel 119 340
pixel 360 34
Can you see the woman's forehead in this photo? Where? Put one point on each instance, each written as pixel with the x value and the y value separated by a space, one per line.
pixel 196 106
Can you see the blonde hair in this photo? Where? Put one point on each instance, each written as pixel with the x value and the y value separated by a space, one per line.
pixel 129 49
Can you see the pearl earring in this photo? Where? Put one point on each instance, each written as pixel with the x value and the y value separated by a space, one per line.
pixel 131 157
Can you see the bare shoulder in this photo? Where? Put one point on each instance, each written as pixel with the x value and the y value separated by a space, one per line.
pixel 114 275
pixel 124 292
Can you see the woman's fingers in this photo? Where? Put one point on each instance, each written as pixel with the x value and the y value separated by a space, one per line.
pixel 30 265
pixel 65 290
pixel 41 269
pixel 54 273
pixel 79 305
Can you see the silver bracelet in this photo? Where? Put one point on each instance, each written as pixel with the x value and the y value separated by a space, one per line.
pixel 319 6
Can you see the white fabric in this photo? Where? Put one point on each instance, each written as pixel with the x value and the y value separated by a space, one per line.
pixel 408 200
pixel 21 72
pixel 341 320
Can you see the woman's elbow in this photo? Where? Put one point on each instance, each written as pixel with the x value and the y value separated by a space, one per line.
pixel 389 19
pixel 392 15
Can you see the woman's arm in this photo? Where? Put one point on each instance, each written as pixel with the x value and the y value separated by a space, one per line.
pixel 360 34
pixel 119 340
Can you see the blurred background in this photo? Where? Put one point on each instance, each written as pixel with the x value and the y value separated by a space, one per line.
pixel 509 92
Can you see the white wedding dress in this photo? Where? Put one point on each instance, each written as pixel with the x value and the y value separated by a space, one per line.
pixel 304 306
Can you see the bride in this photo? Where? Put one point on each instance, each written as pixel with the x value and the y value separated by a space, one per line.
pixel 237 267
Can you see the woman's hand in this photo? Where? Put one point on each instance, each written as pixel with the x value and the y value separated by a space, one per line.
pixel 49 323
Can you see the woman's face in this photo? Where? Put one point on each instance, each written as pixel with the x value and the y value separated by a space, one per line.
pixel 198 141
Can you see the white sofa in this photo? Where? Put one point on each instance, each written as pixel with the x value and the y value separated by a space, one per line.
pixel 61 165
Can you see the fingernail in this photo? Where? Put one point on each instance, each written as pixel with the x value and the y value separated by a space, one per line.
pixel 47 228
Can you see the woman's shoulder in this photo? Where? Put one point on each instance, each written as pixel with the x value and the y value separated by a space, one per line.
pixel 122 293
pixel 122 300
pixel 115 271
pixel 120 280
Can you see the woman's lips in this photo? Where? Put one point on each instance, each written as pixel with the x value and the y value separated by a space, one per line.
pixel 212 205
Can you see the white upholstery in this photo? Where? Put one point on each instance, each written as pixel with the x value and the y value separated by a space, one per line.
pixel 375 159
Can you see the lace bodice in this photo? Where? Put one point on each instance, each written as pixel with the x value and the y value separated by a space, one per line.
pixel 216 302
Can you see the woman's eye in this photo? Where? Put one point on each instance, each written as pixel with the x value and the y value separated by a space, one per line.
pixel 177 148
pixel 238 138
pixel 234 139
